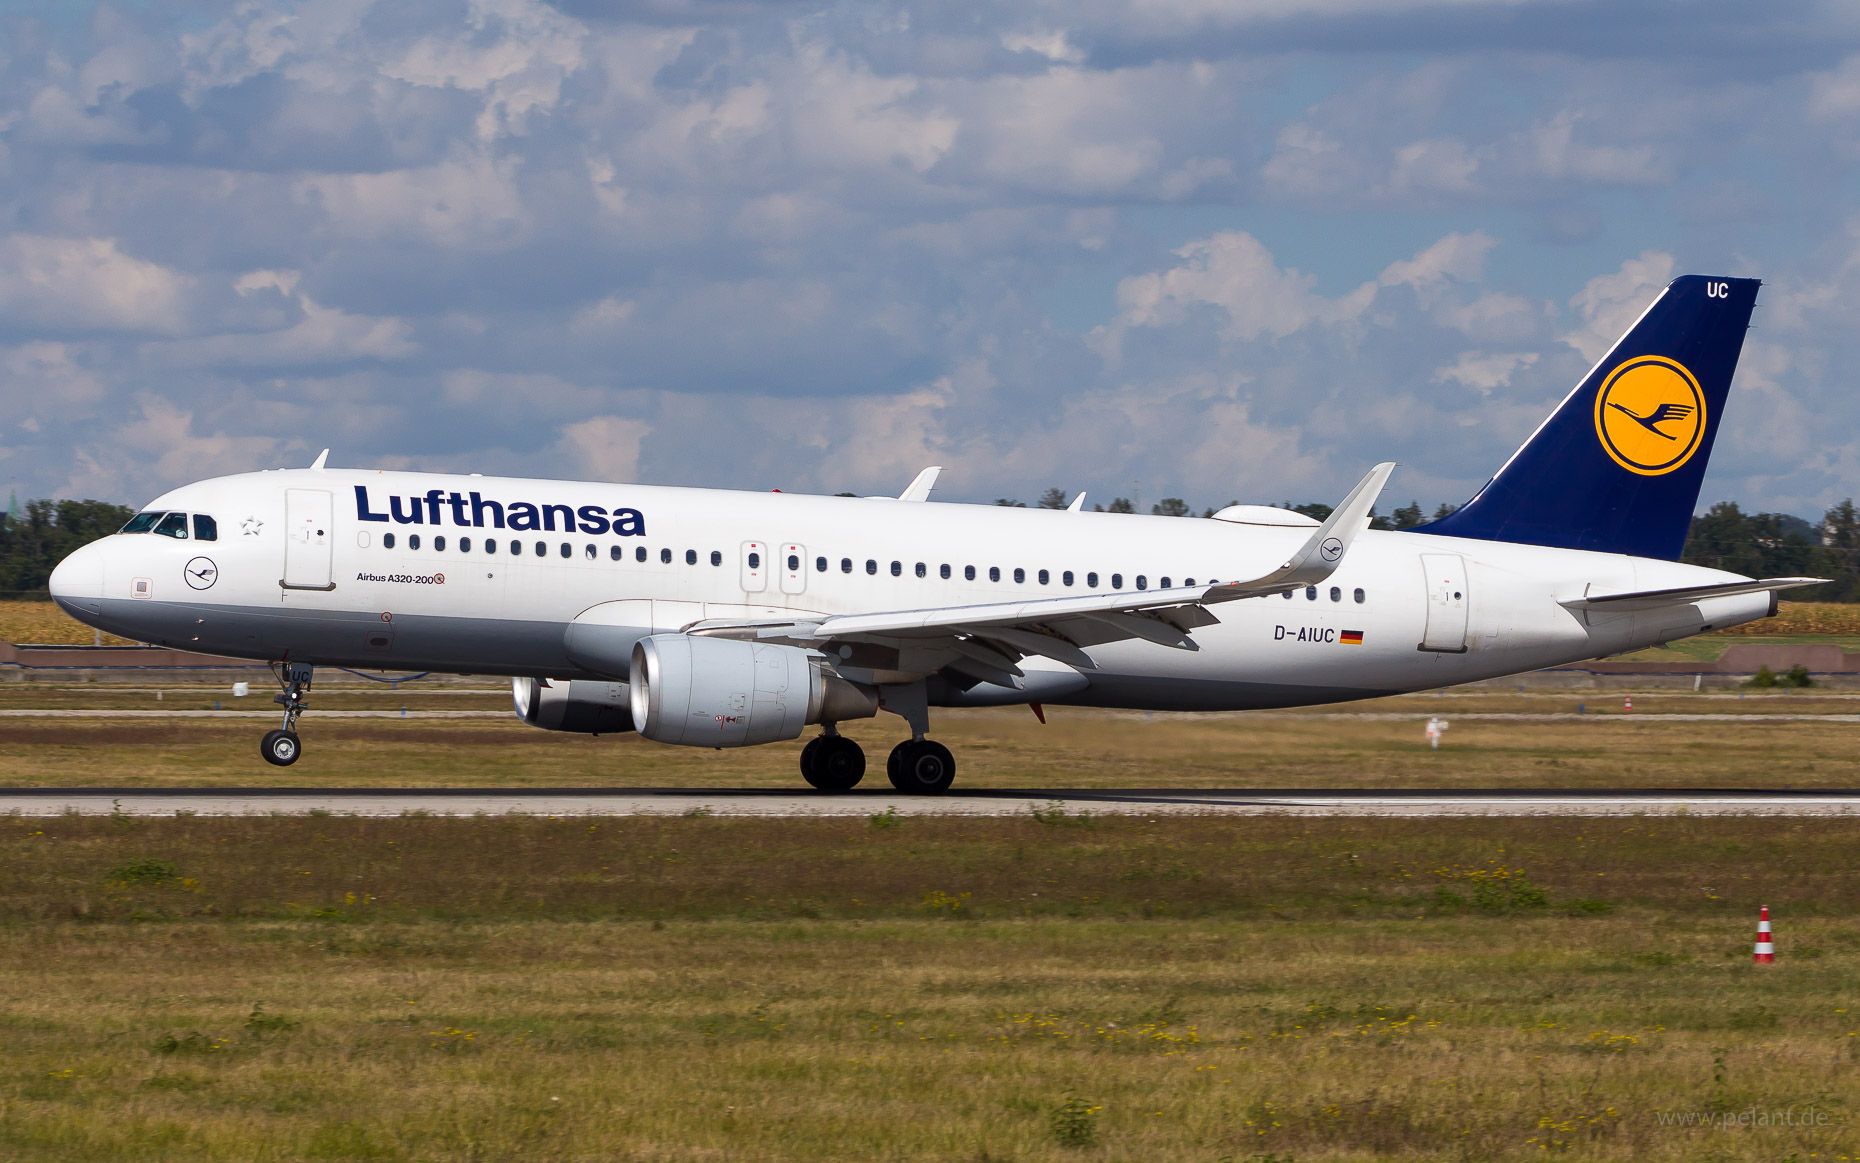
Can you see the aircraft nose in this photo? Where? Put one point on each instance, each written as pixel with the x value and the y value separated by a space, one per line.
pixel 79 577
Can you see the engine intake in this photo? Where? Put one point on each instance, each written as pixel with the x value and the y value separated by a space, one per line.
pixel 722 692
pixel 588 707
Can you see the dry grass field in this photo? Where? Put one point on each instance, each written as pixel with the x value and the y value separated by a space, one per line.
pixel 1078 989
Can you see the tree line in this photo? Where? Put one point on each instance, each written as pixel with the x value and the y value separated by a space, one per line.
pixel 39 535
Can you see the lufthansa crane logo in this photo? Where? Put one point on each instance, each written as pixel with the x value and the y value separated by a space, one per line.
pixel 201 573
pixel 1650 415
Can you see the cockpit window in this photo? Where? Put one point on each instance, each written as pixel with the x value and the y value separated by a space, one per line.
pixel 173 525
pixel 142 522
pixel 205 528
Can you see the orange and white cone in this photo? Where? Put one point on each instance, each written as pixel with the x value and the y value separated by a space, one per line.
pixel 1766 952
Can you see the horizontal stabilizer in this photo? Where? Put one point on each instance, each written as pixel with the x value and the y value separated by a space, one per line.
pixel 1656 599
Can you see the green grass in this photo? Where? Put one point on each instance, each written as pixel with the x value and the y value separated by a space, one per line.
pixel 669 989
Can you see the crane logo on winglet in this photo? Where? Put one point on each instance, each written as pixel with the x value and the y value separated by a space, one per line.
pixel 1650 415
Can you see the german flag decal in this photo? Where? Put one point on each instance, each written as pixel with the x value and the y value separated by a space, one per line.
pixel 1351 638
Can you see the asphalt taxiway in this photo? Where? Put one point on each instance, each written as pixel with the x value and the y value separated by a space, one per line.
pixel 677 801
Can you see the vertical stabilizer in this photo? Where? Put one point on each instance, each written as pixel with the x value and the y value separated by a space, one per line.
pixel 1617 466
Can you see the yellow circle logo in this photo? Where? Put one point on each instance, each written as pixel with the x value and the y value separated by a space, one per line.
pixel 1650 415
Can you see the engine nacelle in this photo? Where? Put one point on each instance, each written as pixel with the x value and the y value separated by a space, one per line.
pixel 721 692
pixel 556 704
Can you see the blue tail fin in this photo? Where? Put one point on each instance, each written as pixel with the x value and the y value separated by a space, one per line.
pixel 1617 466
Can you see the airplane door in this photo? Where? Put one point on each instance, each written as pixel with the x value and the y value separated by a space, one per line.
pixel 755 567
pixel 1446 602
pixel 793 569
pixel 309 540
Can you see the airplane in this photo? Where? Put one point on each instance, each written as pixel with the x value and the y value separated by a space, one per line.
pixel 717 618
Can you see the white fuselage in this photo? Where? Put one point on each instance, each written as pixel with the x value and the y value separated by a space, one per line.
pixel 311 577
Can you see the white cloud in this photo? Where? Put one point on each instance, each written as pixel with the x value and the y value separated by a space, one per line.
pixel 81 284
pixel 604 448
pixel 1233 272
pixel 1482 372
pixel 1609 304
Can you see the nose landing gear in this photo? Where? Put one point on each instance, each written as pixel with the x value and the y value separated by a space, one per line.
pixel 282 747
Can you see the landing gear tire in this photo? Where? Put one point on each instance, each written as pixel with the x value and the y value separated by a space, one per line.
pixel 921 767
pixel 832 763
pixel 280 748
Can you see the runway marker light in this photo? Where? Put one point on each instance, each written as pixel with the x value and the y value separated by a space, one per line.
pixel 1436 726
pixel 1766 952
pixel 1627 704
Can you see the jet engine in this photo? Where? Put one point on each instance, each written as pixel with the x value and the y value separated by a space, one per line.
pixel 721 692
pixel 556 704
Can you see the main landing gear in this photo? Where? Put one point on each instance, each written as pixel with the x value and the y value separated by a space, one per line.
pixel 915 766
pixel 832 762
pixel 921 767
pixel 281 747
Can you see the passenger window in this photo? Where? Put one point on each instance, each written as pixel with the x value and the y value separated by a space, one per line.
pixel 141 523
pixel 464 545
pixel 1045 577
pixel 615 552
pixel 516 549
pixel 716 558
pixel 591 553
pixel 1188 581
pixel 1359 595
pixel 1117 581
pixel 387 541
pixel 897 569
pixel 1020 576
pixel 567 550
pixel 439 544
pixel 665 557
pixel 921 570
pixel 1288 595
pixel 794 563
pixel 1066 577
pixel 968 573
pixel 639 554
pixel 1091 581
pixel 845 565
pixel 1311 593
pixel 994 573
pixel 820 565
pixel 542 549
pixel 1336 594
pixel 871 567
pixel 205 528
pixel 490 545
pixel 755 561
pixel 173 525
pixel 1143 583
pixel 413 541
pixel 1165 583
pixel 943 571
pixel 690 557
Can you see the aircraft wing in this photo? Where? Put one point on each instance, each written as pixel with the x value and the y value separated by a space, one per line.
pixel 983 642
pixel 1624 603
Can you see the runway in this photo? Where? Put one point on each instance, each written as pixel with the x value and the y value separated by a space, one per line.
pixel 871 801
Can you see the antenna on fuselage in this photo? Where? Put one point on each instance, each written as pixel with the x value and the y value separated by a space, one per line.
pixel 321 458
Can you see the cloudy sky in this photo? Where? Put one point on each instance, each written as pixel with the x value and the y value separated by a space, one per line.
pixel 1213 250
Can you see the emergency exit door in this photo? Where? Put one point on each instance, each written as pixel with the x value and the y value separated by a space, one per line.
pixel 1446 602
pixel 309 539
pixel 793 568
